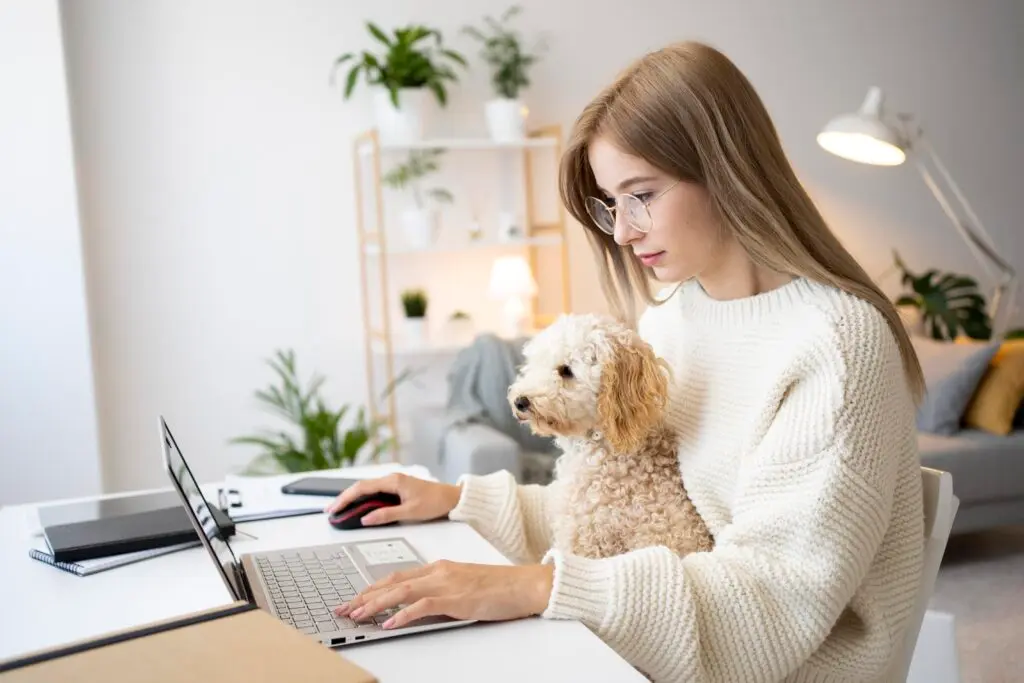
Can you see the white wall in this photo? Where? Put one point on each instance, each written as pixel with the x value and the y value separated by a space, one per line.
pixel 216 172
pixel 48 442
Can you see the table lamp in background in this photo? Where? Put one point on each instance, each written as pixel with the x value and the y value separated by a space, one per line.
pixel 866 136
pixel 513 283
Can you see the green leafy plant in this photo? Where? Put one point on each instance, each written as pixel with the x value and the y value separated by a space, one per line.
pixel 320 437
pixel 949 303
pixel 410 60
pixel 502 50
pixel 410 174
pixel 459 315
pixel 414 302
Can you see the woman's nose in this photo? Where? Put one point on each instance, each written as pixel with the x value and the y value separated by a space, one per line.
pixel 624 233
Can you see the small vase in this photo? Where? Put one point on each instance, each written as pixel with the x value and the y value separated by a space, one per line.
pixel 506 119
pixel 416 331
pixel 406 123
pixel 420 227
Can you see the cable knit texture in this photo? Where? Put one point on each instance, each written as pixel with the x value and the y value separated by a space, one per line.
pixel 798 448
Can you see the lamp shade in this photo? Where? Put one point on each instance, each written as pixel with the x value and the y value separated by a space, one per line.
pixel 863 136
pixel 511 277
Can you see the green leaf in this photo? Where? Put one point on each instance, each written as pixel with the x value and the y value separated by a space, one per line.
pixel 378 34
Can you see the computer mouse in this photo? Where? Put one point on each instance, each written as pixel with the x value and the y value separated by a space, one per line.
pixel 351 516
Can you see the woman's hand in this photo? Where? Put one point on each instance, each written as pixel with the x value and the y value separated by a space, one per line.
pixel 454 589
pixel 421 500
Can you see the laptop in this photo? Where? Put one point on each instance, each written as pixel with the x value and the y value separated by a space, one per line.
pixel 301 586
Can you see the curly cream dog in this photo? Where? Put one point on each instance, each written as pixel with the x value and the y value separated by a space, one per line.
pixel 593 383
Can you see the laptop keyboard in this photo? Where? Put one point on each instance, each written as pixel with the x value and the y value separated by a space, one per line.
pixel 305 587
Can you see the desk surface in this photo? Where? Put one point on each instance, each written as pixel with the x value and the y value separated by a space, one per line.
pixel 43 606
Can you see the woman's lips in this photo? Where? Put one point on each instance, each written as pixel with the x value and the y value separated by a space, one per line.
pixel 650 259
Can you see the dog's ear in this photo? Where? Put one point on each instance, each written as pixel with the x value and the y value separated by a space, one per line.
pixel 634 389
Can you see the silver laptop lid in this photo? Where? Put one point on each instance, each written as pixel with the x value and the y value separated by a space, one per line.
pixel 199 511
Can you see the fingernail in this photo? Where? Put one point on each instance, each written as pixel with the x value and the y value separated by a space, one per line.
pixel 340 610
pixel 389 623
pixel 358 613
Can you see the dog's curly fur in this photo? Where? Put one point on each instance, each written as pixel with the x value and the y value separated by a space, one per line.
pixel 593 383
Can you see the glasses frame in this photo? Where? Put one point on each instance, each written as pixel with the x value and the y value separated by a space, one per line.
pixel 612 211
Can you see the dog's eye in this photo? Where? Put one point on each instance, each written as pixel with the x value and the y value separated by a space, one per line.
pixel 565 372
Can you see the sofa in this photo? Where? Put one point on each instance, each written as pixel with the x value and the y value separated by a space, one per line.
pixel 970 425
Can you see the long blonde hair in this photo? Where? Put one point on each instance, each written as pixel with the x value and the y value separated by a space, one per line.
pixel 689 111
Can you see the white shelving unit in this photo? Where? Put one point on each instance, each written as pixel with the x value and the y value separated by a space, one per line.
pixel 455 264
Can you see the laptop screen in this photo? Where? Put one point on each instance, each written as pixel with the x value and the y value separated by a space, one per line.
pixel 199 512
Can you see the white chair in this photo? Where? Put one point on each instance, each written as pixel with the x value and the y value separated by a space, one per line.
pixel 940 506
pixel 936 659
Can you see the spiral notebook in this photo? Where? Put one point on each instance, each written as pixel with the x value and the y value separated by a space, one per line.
pixel 41 552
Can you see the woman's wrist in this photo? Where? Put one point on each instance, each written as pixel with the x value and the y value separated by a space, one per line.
pixel 453 494
pixel 539 582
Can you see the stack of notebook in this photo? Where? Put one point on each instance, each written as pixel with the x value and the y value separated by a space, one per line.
pixel 90 537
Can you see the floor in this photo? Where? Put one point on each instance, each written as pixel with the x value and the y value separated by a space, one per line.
pixel 981 583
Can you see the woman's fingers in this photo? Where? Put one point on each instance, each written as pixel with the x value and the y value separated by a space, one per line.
pixel 378 588
pixel 424 607
pixel 363 487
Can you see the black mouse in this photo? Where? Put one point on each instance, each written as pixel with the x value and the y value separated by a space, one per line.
pixel 351 516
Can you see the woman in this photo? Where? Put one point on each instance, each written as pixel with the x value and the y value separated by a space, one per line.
pixel 795 392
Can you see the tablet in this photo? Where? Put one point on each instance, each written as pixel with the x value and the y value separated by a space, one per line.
pixel 317 486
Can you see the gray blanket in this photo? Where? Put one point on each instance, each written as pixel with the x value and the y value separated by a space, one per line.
pixel 478 384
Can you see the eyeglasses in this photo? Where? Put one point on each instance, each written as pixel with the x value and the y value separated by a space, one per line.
pixel 635 210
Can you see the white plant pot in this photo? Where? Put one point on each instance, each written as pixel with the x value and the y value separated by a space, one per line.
pixel 506 119
pixel 407 122
pixel 416 331
pixel 420 227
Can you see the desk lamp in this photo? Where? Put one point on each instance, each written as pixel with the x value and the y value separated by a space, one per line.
pixel 866 136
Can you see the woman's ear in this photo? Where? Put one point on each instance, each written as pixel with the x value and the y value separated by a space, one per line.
pixel 634 389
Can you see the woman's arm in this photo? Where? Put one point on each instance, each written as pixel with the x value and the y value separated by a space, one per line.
pixel 512 517
pixel 812 508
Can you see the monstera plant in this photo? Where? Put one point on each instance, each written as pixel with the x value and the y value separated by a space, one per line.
pixel 950 304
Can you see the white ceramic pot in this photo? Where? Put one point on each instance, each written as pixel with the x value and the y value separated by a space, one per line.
pixel 407 122
pixel 506 119
pixel 420 227
pixel 416 331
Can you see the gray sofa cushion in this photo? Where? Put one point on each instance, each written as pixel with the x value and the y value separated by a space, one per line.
pixel 985 467
pixel 951 373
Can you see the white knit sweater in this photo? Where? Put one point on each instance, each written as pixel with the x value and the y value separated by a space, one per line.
pixel 799 450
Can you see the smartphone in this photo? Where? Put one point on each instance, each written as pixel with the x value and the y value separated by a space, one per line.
pixel 317 486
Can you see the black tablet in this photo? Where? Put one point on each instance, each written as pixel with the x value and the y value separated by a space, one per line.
pixel 317 486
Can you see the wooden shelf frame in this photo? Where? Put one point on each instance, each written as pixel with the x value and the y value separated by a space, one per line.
pixel 373 246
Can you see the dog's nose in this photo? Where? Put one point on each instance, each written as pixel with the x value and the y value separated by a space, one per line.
pixel 522 403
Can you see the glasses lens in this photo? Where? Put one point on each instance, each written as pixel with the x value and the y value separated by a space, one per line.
pixel 601 215
pixel 636 213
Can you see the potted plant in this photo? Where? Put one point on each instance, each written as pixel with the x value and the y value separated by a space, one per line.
pixel 502 50
pixel 420 221
pixel 320 438
pixel 414 303
pixel 410 69
pixel 460 327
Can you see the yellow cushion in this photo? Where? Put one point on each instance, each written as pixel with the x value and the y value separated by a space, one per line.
pixel 1000 391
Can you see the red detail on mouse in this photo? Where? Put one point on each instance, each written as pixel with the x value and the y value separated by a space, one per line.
pixel 351 516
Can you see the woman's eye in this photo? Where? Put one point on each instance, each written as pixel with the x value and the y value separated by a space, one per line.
pixel 565 372
pixel 644 196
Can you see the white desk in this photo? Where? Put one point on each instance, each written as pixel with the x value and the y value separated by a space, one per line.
pixel 43 606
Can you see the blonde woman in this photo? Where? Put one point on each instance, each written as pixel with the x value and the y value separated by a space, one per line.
pixel 795 393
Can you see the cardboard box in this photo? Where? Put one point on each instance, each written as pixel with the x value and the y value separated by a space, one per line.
pixel 235 643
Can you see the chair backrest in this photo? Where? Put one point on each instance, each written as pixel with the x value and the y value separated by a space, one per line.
pixel 940 506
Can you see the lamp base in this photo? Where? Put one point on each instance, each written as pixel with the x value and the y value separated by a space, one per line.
pixel 514 318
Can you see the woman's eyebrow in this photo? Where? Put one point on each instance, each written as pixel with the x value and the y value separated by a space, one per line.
pixel 635 180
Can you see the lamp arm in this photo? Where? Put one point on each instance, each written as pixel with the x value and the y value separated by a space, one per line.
pixel 973 232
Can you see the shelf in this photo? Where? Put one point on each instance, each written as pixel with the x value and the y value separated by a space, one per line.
pixel 366 148
pixel 373 249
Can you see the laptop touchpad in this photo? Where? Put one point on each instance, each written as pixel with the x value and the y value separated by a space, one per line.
pixel 380 558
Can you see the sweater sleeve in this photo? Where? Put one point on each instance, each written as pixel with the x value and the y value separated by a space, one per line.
pixel 512 517
pixel 812 505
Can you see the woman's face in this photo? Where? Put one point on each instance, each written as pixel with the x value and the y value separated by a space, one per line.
pixel 684 237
